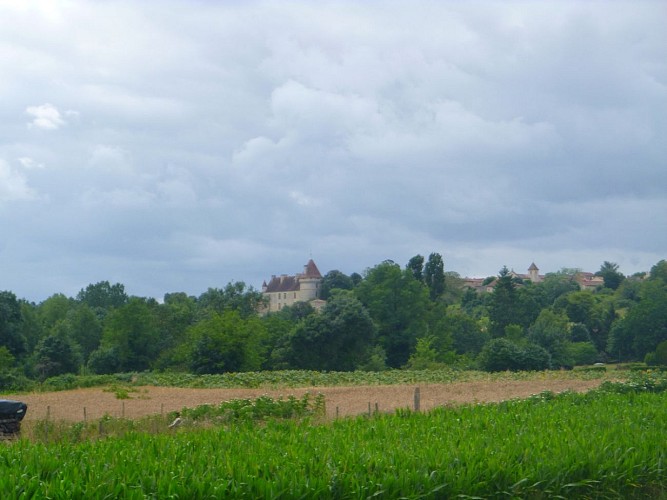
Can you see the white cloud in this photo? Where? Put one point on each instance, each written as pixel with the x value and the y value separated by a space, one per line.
pixel 45 117
pixel 13 185
pixel 28 163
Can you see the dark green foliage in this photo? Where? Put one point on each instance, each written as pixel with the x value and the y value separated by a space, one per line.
pixel 397 303
pixel 659 271
pixel 550 332
pixel 504 307
pixel 582 353
pixel 416 266
pixel 84 327
pixel 334 280
pixel 56 355
pixel 612 277
pixel 226 343
pixel 105 361
pixel 644 326
pixel 11 336
pixel 434 275
pixel 235 296
pixel 103 295
pixel 132 332
pixel 502 354
pixel 340 338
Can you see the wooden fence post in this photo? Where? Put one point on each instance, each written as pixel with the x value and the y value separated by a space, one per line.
pixel 417 399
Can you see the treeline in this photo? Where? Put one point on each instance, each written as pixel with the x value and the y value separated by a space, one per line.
pixel 418 316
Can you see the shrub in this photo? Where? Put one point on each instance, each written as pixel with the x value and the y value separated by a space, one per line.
pixel 503 354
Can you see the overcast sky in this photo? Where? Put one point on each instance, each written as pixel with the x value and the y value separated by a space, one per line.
pixel 179 145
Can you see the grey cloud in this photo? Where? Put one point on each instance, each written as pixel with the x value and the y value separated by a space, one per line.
pixel 228 141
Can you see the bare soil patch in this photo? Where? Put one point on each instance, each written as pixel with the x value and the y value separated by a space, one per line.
pixel 95 403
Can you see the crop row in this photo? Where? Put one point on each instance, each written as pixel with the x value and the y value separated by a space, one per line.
pixel 306 378
pixel 607 443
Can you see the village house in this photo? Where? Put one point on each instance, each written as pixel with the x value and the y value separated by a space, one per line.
pixel 285 290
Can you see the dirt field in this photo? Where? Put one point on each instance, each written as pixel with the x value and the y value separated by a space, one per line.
pixel 95 403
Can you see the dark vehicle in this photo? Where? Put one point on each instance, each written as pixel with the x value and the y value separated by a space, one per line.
pixel 11 414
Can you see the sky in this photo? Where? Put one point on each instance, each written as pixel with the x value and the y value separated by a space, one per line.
pixel 181 145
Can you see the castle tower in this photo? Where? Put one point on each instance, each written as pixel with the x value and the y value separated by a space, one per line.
pixel 534 273
pixel 309 281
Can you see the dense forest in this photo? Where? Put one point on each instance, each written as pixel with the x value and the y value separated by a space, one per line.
pixel 418 317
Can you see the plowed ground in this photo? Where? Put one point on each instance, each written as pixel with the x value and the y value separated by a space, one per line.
pixel 77 405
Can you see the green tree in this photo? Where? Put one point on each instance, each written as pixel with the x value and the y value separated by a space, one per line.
pixel 550 331
pixel 582 353
pixel 558 284
pixel 84 328
pixel 226 342
pixel 131 332
pixel 612 277
pixel 340 338
pixel 434 275
pixel 54 310
pixel 236 296
pixel 644 326
pixel 11 335
pixel 174 316
pixel 103 296
pixel 416 266
pixel 467 336
pixel 397 303
pixel 659 271
pixel 502 354
pixel 504 307
pixel 425 356
pixel 296 312
pixel 56 355
pixel 334 280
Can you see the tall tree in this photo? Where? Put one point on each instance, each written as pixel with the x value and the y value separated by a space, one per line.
pixel 11 335
pixel 434 275
pixel 416 266
pixel 397 303
pixel 644 326
pixel 504 307
pixel 131 333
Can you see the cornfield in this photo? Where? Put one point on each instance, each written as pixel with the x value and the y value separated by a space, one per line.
pixel 606 443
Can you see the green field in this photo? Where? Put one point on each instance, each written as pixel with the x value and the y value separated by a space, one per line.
pixel 609 443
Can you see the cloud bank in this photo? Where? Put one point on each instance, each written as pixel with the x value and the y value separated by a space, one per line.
pixel 178 146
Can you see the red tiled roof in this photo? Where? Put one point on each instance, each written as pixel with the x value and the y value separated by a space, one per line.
pixel 283 284
pixel 287 283
pixel 311 270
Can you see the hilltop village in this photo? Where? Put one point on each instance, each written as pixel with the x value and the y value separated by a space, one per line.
pixel 286 290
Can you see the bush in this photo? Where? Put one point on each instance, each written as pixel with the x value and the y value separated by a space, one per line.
pixel 583 353
pixel 659 357
pixel 503 354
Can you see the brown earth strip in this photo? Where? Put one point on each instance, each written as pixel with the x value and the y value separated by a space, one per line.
pixel 95 403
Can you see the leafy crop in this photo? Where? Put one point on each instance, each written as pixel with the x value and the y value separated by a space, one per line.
pixel 608 443
pixel 305 378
